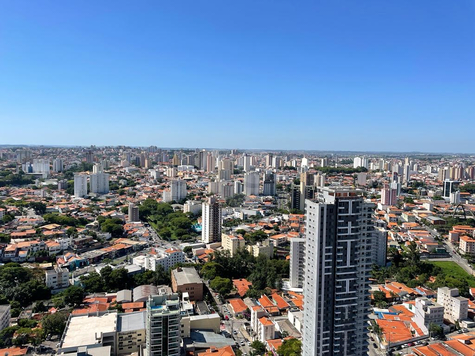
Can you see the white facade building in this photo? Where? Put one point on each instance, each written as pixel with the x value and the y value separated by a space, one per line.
pixel 192 206
pixel 455 307
pixel 265 329
pixel 99 183
pixel 251 183
pixel 427 312
pixel 166 258
pixel 177 191
pixel 163 325
pixel 57 278
pixel 80 185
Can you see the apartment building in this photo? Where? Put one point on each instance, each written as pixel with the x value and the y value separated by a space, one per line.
pixel 455 306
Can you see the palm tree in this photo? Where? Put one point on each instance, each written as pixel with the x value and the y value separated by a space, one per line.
pixel 377 330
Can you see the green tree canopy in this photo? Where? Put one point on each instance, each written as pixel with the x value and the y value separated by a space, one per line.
pixel 290 347
pixel 223 286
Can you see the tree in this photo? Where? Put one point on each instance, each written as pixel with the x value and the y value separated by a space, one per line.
pixel 106 275
pixel 73 295
pixel 377 330
pixel 222 285
pixel 54 324
pixel 379 296
pixel 92 283
pixel 119 279
pixel 290 347
pixel 39 208
pixel 211 270
pixel 259 347
pixel 436 330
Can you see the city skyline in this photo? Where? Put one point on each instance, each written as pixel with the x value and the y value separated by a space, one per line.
pixel 267 75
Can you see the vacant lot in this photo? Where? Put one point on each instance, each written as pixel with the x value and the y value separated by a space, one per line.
pixel 451 269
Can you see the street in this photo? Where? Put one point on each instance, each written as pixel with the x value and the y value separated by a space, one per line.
pixel 454 256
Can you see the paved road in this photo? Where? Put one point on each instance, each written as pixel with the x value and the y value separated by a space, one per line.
pixel 454 257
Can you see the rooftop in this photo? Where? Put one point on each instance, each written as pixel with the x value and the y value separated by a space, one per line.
pixel 131 321
pixel 186 275
pixel 80 333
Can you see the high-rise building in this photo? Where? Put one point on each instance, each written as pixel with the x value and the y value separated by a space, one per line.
pixel 443 174
pixel 163 325
pixel 58 165
pixel 80 185
pixel 246 163
pixel 306 179
pixel 269 159
pixel 133 213
pixel 23 156
pixel 238 187
pixel 336 274
pixel 295 197
pixel 269 185
pixel 297 254
pixel 210 162
pixel 251 183
pixel 225 169
pixel 450 186
pixel 388 196
pixel 211 221
pixel 360 162
pixel 41 166
pixel 99 183
pixel 177 191
pixel 202 160
pixel 97 168
pixel 89 156
pixel 379 244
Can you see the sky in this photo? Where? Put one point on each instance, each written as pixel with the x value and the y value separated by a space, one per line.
pixel 393 75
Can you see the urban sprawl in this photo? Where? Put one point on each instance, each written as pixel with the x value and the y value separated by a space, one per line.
pixel 150 252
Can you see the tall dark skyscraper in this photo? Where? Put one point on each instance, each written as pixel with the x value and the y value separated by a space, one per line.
pixel 337 267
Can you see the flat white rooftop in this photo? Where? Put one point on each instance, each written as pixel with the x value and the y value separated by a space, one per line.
pixel 82 330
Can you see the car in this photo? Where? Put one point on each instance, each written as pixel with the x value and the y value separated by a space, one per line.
pixel 234 332
pixel 242 343
pixel 374 345
pixel 249 343
pixel 465 330
pixel 226 317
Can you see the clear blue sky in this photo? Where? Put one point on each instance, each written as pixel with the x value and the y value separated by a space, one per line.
pixel 395 75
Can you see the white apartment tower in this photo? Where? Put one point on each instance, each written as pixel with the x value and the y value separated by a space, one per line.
pixel 163 325
pixel 80 185
pixel 211 221
pixel 251 183
pixel 336 270
pixel 178 190
pixel 99 183
pixel 246 162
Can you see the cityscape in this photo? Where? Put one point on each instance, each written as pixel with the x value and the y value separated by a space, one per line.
pixel 232 252
pixel 247 178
